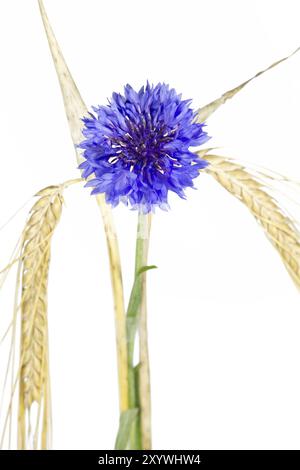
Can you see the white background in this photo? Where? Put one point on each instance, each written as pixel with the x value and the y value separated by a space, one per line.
pixel 224 316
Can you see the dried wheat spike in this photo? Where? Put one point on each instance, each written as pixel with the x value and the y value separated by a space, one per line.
pixel 253 192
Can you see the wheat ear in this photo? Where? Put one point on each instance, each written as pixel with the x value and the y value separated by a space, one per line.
pixel 252 191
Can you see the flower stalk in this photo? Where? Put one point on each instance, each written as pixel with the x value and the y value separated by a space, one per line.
pixel 144 368
pixel 138 375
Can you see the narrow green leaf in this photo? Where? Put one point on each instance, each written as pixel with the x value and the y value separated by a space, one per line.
pixel 127 419
pixel 133 308
pixel 135 296
pixel 146 268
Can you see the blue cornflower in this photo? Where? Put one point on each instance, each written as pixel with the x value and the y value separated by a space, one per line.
pixel 138 147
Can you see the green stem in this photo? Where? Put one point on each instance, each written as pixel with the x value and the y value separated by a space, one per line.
pixel 141 254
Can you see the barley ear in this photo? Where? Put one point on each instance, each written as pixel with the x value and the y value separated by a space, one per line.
pixel 35 253
pixel 258 194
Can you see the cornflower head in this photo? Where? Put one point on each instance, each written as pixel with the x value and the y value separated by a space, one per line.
pixel 138 147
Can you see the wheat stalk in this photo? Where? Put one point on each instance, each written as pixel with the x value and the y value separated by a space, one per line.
pixel 75 110
pixel 252 191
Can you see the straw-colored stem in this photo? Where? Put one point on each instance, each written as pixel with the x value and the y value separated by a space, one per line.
pixel 75 109
pixel 144 376
pixel 119 309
